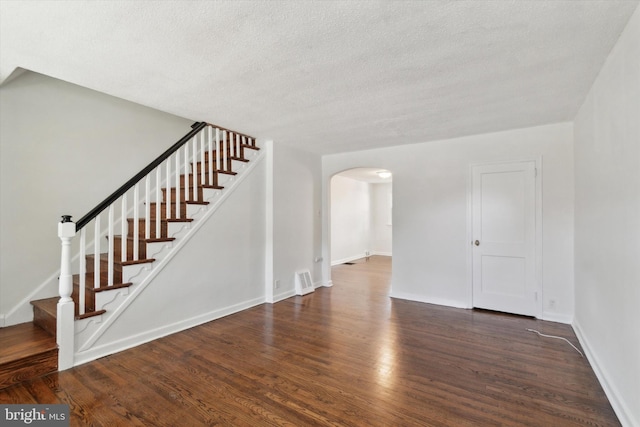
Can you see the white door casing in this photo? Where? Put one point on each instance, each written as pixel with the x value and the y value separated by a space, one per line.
pixel 504 237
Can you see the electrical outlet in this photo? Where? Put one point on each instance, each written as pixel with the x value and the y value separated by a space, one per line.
pixel 276 284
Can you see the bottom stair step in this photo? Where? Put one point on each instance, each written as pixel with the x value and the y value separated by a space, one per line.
pixel 27 352
pixel 45 312
pixel 49 307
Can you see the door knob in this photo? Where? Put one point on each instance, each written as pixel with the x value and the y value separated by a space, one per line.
pixel 477 243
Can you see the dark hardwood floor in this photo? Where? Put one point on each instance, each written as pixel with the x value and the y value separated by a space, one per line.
pixel 342 356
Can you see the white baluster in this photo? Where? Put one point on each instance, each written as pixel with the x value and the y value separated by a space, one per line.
pixel 83 270
pixel 194 167
pixel 236 142
pixel 244 142
pixel 110 251
pixel 158 198
pixel 178 212
pixel 203 169
pixel 123 228
pixel 136 222
pixel 96 252
pixel 168 192
pixel 224 150
pixel 186 171
pixel 147 207
pixel 218 153
pixel 210 148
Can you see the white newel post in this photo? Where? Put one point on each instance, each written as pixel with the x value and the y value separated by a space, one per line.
pixel 65 321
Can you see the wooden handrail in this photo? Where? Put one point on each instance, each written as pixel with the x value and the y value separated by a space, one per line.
pixel 196 127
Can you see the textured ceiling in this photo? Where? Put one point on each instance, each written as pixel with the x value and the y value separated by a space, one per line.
pixel 326 76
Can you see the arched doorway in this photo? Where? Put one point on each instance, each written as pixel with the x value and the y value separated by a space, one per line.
pixel 360 215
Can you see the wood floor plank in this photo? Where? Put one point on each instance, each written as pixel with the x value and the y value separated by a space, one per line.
pixel 342 356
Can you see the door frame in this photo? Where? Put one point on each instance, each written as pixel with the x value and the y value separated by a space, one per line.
pixel 538 227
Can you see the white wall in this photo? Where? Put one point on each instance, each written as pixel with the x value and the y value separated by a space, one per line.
pixel 63 149
pixel 430 184
pixel 297 217
pixel 350 219
pixel 607 224
pixel 381 222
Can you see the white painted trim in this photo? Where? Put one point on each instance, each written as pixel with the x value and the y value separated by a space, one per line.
pixel 557 317
pixel 111 316
pixel 328 284
pixel 428 300
pixel 348 259
pixel 538 227
pixel 318 284
pixel 284 295
pixel 147 336
pixel 1 320
pixel 625 415
pixel 381 253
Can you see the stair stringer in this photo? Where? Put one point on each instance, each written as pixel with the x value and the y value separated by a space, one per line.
pixel 116 302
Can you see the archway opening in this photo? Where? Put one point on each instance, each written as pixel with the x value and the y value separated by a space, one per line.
pixel 361 219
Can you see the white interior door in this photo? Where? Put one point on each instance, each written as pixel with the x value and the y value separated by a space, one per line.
pixel 504 237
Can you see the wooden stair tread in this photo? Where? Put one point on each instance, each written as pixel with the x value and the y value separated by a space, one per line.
pixel 215 187
pixel 24 340
pixel 206 163
pixel 250 146
pixel 189 202
pixel 48 305
pixel 159 239
pixel 164 220
pixel 45 312
pixel 152 240
pixel 105 257
pixel 90 314
pixel 240 159
pixel 112 287
pixel 89 283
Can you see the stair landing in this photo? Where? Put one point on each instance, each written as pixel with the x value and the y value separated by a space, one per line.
pixel 27 351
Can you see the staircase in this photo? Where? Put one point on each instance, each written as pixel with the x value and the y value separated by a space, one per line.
pixel 30 349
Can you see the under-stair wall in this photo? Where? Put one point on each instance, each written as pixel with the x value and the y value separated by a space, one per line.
pixel 62 149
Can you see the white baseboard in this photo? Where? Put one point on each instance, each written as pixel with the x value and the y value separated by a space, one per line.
pixel 557 317
pixel 292 292
pixel 284 295
pixel 1 320
pixel 428 300
pixel 624 413
pixel 348 259
pixel 381 253
pixel 97 352
pixel 328 284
